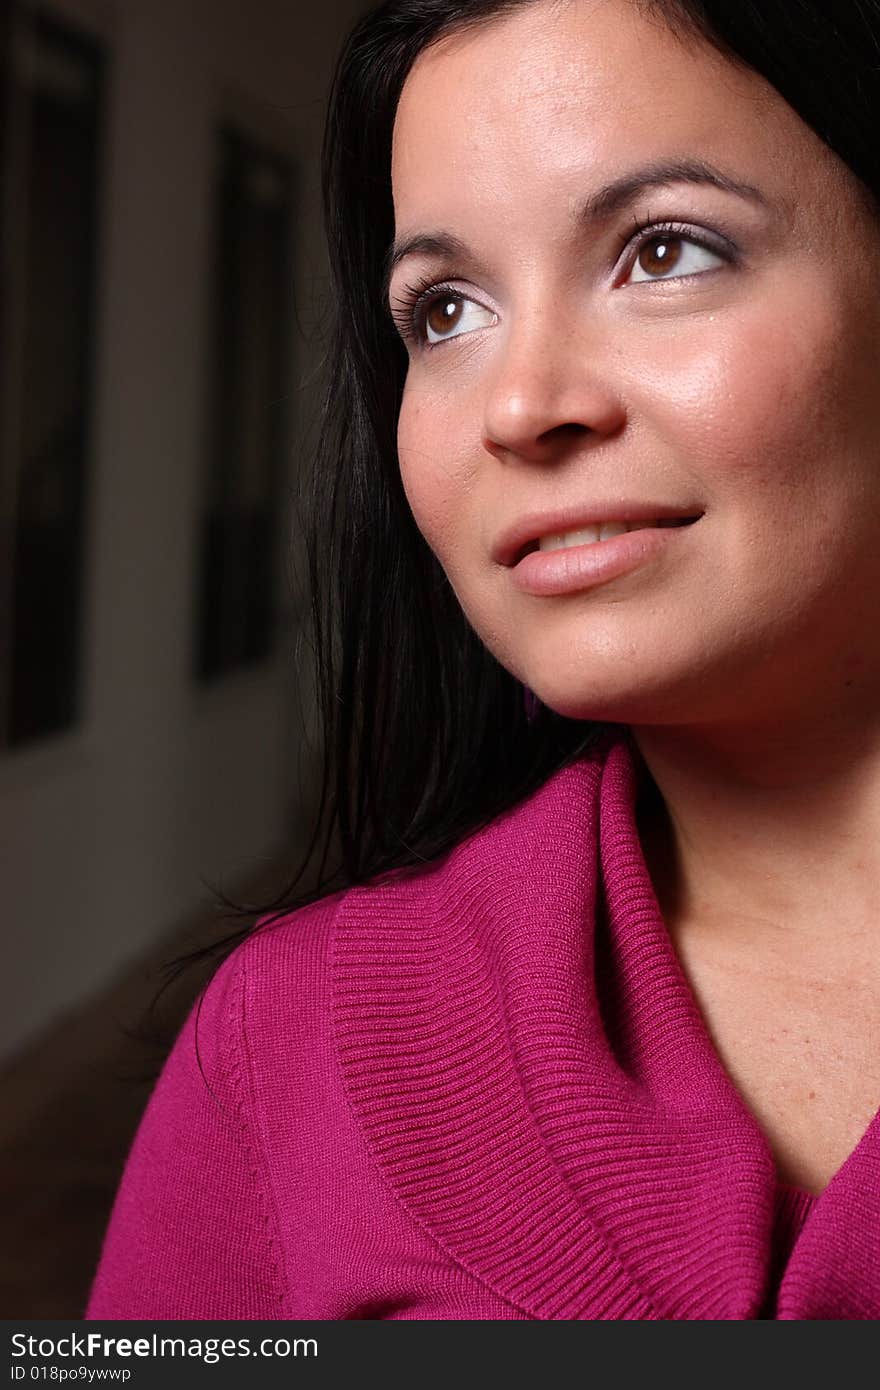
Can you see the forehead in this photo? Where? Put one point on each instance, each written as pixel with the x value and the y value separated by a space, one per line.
pixel 553 93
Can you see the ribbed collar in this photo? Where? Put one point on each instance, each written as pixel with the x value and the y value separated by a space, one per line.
pixel 534 1076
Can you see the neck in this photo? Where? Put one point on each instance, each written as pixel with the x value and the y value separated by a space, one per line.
pixel 765 834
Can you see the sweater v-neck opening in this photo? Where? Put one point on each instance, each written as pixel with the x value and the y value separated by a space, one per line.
pixel 796 1200
pixel 581 1151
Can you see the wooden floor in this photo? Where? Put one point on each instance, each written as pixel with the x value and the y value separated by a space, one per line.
pixel 69 1107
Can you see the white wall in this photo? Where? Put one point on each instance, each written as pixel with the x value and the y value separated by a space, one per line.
pixel 108 831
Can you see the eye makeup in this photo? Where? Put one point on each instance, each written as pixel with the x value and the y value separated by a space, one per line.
pixel 412 304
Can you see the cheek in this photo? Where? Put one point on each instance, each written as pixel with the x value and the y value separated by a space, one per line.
pixel 436 468
pixel 416 458
pixel 759 406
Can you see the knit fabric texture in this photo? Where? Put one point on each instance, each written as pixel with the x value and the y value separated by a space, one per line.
pixel 479 1091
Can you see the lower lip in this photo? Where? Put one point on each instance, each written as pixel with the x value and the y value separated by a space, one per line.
pixel 574 568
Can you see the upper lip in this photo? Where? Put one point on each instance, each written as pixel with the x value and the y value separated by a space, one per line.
pixel 510 545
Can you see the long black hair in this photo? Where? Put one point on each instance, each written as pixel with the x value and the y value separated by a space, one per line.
pixel 424 735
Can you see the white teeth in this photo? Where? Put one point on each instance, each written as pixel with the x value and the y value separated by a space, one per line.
pixel 588 535
pixel 612 528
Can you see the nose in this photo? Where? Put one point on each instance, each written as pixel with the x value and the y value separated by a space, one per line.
pixel 550 387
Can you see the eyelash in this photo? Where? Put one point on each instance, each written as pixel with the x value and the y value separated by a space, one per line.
pixel 411 305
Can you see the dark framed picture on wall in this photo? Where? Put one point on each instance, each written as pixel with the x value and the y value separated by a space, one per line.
pixel 248 408
pixel 53 127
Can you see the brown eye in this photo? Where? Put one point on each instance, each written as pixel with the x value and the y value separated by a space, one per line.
pixel 447 314
pixel 670 255
pixel 660 255
pixel 443 314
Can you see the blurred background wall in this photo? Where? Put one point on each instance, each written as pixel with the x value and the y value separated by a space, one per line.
pixel 161 312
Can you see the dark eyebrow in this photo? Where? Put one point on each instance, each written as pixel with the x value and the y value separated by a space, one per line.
pixel 598 207
pixel 439 244
pixel 620 192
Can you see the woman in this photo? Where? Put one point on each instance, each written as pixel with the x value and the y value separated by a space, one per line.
pixel 590 1028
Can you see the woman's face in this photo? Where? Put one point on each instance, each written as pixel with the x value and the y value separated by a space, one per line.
pixel 725 367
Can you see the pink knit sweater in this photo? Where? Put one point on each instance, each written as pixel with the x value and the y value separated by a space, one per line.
pixel 484 1091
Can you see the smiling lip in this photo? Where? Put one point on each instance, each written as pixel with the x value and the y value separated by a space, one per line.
pixel 571 569
pixel 523 535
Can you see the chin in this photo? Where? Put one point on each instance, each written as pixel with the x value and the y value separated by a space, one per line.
pixel 603 711
pixel 645 704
